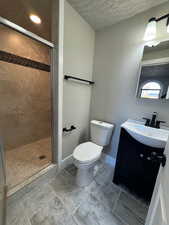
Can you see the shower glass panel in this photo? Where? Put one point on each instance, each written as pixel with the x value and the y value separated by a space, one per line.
pixel 2 187
pixel 25 98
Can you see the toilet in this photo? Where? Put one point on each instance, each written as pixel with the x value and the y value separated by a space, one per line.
pixel 87 154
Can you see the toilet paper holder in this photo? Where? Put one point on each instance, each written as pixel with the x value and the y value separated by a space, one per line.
pixel 69 129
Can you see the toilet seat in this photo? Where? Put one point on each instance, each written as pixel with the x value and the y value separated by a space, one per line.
pixel 87 152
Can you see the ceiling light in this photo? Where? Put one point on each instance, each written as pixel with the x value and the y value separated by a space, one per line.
pixel 35 19
pixel 150 32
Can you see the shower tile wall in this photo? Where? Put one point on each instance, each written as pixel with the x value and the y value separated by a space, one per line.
pixel 25 98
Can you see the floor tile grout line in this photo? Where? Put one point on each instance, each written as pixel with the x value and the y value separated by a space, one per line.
pixel 28 218
pixel 136 200
pixel 133 212
pixel 75 220
pixel 68 173
pixel 140 201
pixel 121 220
pixel 115 205
pixel 141 220
pixel 76 208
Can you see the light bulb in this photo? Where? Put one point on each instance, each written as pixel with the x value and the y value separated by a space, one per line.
pixel 36 19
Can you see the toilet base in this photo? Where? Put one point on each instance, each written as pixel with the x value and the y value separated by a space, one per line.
pixel 85 174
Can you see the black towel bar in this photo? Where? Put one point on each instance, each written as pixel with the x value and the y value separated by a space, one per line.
pixel 67 77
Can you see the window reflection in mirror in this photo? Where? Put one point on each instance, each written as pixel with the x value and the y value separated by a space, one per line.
pixel 151 90
pixel 154 77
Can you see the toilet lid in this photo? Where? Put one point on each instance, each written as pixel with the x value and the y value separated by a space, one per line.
pixel 87 152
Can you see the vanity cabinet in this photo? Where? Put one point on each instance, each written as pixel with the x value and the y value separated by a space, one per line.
pixel 134 168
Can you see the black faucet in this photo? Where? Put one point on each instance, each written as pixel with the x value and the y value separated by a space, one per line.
pixel 153 122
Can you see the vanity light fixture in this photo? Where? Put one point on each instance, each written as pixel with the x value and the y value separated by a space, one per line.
pixel 168 25
pixel 151 29
pixel 150 33
pixel 35 19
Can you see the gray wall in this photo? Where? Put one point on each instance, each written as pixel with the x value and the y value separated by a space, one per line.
pixel 118 55
pixel 78 55
pixel 25 98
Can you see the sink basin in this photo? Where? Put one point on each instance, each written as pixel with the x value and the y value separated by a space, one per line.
pixel 152 137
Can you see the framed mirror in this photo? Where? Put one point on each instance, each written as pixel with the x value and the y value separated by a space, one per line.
pixel 154 75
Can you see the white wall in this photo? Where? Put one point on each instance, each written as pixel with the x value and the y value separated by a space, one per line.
pixel 116 69
pixel 78 49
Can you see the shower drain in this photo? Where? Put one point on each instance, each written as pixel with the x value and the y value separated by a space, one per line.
pixel 42 157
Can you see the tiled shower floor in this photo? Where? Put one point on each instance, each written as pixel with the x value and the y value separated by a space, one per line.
pixel 59 201
pixel 25 161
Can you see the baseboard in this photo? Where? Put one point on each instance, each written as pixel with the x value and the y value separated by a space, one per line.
pixel 67 161
pixel 109 160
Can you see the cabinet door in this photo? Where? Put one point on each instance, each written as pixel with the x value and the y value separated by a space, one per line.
pixel 133 169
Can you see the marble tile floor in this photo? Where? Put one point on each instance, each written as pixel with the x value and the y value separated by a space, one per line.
pixel 59 201
pixel 23 162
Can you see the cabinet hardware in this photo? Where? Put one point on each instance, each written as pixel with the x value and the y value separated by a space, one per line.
pixel 161 159
pixel 141 156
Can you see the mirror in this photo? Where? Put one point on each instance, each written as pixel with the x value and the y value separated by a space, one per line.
pixel 154 76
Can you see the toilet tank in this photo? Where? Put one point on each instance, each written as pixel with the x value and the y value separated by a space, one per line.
pixel 100 132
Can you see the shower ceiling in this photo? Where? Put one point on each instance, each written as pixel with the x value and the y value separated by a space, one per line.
pixel 18 11
pixel 103 13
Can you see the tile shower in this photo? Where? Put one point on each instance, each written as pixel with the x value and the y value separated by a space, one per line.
pixel 25 112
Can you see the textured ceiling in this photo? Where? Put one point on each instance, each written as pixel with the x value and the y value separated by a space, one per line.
pixel 103 13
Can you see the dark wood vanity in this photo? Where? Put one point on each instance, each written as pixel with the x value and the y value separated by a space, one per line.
pixel 135 168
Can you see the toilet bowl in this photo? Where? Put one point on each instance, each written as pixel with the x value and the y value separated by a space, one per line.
pixel 85 157
pixel 87 154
